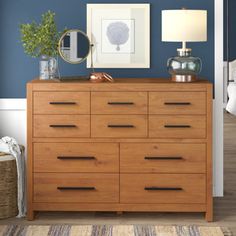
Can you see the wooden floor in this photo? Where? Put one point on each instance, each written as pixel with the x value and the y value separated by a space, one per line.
pixel 224 208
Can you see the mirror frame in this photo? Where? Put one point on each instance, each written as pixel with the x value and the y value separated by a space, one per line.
pixel 62 37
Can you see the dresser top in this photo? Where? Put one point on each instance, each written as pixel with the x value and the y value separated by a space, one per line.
pixel 121 84
pixel 66 80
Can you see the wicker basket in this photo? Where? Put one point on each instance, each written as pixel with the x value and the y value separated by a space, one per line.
pixel 8 186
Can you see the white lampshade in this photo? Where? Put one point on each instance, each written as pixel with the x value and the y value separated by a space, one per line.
pixel 184 25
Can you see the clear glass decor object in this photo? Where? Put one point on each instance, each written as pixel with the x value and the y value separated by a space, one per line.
pixel 47 67
pixel 44 68
pixel 184 67
pixel 52 67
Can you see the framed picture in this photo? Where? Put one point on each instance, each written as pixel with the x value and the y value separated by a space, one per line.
pixel 120 34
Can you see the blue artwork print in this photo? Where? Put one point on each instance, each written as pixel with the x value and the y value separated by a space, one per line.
pixel 117 36
pixel 118 33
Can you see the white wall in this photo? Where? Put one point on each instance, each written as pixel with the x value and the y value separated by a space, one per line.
pixel 218 120
pixel 13 119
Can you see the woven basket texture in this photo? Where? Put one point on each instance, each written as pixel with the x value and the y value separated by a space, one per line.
pixel 8 189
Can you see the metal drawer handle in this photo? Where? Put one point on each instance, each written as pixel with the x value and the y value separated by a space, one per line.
pixel 177 126
pixel 77 188
pixel 177 103
pixel 62 103
pixel 63 126
pixel 120 103
pixel 76 158
pixel 163 158
pixel 162 189
pixel 120 126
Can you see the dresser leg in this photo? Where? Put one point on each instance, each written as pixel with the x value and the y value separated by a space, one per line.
pixel 30 215
pixel 209 216
pixel 119 212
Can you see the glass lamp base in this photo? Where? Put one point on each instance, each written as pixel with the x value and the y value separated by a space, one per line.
pixel 184 78
pixel 184 67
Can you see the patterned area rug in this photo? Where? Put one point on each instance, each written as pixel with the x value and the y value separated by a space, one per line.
pixel 108 230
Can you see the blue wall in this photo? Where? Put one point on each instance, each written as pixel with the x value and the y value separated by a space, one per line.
pixel 225 30
pixel 230 42
pixel 16 68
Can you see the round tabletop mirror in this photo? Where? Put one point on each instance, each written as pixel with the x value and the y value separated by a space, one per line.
pixel 74 46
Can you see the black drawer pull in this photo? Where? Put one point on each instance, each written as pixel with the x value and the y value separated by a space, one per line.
pixel 77 188
pixel 76 158
pixel 62 126
pixel 177 103
pixel 120 103
pixel 62 103
pixel 162 189
pixel 121 126
pixel 177 126
pixel 163 158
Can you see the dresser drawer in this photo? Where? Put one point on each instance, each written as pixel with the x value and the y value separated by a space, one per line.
pixel 177 103
pixel 119 126
pixel 162 158
pixel 119 103
pixel 163 126
pixel 162 188
pixel 76 157
pixel 61 103
pixel 68 187
pixel 61 126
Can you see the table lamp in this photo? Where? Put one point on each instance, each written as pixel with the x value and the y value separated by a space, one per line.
pixel 184 26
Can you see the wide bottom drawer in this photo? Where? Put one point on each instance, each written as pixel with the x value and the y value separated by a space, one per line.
pixel 162 188
pixel 83 188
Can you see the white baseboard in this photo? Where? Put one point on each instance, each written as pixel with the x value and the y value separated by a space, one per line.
pixel 13 119
pixel 13 123
pixel 13 104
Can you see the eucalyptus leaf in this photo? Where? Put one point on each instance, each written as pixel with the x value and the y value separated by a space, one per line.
pixel 41 39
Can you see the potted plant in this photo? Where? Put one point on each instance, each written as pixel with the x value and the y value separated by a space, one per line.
pixel 41 40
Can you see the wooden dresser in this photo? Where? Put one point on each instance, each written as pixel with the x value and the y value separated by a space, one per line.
pixel 132 145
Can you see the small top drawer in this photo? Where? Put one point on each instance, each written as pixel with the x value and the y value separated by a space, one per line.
pixel 177 103
pixel 179 126
pixel 119 126
pixel 119 103
pixel 61 126
pixel 61 103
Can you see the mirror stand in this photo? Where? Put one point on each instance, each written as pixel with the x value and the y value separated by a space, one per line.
pixel 74 47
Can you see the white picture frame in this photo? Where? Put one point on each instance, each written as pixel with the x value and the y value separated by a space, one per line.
pixel 120 34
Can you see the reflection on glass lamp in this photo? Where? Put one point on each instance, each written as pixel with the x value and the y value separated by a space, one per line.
pixel 184 67
pixel 184 26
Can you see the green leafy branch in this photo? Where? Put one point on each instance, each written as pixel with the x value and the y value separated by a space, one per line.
pixel 41 39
